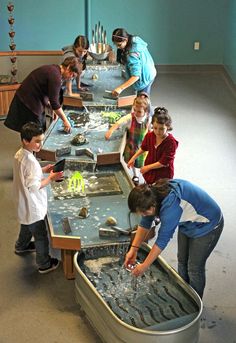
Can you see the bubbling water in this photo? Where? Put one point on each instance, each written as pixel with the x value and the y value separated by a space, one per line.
pixel 113 281
pixel 142 302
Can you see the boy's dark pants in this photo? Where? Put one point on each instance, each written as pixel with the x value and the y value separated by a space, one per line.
pixel 37 230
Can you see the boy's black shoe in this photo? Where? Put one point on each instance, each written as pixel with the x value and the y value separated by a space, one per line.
pixel 29 248
pixel 54 264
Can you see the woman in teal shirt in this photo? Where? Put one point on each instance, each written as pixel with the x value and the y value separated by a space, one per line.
pixel 139 64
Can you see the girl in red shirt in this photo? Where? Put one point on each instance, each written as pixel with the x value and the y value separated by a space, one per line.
pixel 161 147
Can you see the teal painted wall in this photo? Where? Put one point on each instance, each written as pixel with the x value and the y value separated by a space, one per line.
pixel 40 24
pixel 230 40
pixel 169 26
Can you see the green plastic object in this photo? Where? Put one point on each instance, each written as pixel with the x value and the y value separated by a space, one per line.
pixel 111 116
pixel 76 183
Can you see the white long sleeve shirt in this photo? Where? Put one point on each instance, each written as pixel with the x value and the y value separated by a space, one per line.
pixel 31 201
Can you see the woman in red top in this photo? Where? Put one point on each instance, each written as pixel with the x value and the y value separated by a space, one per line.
pixel 161 147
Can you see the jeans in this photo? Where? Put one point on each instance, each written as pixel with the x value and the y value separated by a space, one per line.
pixel 193 254
pixel 147 89
pixel 37 230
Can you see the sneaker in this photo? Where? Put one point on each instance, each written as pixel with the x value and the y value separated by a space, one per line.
pixel 29 248
pixel 54 264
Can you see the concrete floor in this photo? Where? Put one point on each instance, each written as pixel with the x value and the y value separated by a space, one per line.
pixel 41 308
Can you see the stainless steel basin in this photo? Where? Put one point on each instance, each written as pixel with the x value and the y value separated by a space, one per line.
pixel 158 307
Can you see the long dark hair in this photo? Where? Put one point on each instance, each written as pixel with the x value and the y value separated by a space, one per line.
pixel 142 197
pixel 82 42
pixel 119 35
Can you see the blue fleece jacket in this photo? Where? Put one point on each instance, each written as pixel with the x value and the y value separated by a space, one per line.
pixel 140 63
pixel 188 207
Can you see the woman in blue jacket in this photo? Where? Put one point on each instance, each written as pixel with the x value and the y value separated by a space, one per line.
pixel 178 203
pixel 139 64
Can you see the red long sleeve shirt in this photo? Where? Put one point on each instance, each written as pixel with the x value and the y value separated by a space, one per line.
pixel 163 153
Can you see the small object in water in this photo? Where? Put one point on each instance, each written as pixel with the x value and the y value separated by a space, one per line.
pixel 108 232
pixel 109 95
pixel 95 77
pixel 62 130
pixel 89 153
pixel 123 73
pixel 87 96
pixel 111 221
pixel 130 267
pixel 66 150
pixel 66 225
pixel 79 139
pixel 122 231
pixel 86 151
pixel 82 84
pixel 83 213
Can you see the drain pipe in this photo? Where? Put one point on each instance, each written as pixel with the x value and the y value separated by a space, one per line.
pixel 87 6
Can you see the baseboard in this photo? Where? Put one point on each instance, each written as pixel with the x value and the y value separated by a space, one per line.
pixel 229 81
pixel 199 68
pixel 189 68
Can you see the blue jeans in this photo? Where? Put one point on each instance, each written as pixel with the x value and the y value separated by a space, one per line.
pixel 193 254
pixel 147 89
pixel 37 230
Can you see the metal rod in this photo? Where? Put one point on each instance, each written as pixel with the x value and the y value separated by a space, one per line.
pixel 87 23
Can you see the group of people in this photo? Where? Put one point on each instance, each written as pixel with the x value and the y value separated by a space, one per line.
pixel 172 203
pixel 150 150
pixel 43 86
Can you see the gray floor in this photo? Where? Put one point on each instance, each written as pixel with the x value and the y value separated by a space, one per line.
pixel 41 308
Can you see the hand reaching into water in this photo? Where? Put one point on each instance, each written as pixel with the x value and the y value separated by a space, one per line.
pixel 139 270
pixel 130 257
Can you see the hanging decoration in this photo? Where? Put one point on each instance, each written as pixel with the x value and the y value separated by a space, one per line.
pixel 12 45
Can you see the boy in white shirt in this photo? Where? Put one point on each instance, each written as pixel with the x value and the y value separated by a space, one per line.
pixel 31 198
